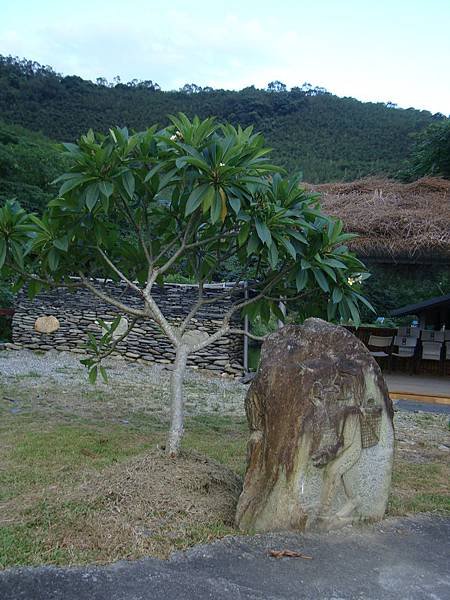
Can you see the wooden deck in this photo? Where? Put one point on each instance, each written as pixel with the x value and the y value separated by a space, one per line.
pixel 421 388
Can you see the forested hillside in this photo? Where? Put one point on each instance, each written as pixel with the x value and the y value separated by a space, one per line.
pixel 29 162
pixel 326 137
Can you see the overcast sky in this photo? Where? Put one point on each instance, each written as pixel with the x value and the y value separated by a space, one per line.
pixel 378 50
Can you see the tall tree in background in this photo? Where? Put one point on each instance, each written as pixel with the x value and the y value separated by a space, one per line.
pixel 276 86
pixel 135 207
pixel 431 154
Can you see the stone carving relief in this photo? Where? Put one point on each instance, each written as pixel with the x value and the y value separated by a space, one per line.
pixel 321 446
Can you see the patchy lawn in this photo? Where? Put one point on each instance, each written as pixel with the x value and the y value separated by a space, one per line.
pixel 83 478
pixel 421 478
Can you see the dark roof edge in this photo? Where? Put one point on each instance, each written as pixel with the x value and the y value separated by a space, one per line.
pixel 411 309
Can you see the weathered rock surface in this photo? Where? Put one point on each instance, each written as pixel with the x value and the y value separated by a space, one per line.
pixel 119 331
pixel 192 338
pixel 321 446
pixel 48 324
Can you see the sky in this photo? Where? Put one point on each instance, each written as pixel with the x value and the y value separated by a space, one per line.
pixel 374 50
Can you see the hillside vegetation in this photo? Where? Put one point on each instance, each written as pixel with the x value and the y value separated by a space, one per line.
pixel 326 137
pixel 29 162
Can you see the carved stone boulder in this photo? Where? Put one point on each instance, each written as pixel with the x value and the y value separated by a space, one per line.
pixel 322 439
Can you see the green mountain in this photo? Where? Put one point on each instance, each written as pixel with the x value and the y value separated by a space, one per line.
pixel 310 130
pixel 29 162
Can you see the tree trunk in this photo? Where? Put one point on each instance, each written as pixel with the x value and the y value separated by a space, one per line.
pixel 177 401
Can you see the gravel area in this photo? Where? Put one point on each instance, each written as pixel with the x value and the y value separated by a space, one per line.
pixel 56 381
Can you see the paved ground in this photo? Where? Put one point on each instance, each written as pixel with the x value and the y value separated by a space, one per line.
pixel 414 407
pixel 401 559
pixel 428 385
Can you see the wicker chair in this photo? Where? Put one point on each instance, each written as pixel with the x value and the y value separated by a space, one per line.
pixel 383 345
pixel 432 336
pixel 406 348
pixel 413 332
pixel 433 351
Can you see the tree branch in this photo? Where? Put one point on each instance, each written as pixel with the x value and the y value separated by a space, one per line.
pixel 181 250
pixel 157 315
pixel 213 238
pixel 225 328
pixel 155 272
pixel 49 282
pixel 257 338
pixel 166 249
pixel 137 229
pixel 240 305
pixel 291 298
pixel 211 339
pixel 204 301
pixel 193 310
pixel 110 300
pixel 119 273
pixel 118 340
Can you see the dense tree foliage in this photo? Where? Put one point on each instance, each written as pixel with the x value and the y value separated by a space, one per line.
pixel 431 153
pixel 312 131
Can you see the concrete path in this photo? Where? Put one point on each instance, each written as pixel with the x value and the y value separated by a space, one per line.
pixel 414 406
pixel 426 385
pixel 404 559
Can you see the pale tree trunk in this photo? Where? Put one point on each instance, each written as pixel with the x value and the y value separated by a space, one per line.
pixel 177 401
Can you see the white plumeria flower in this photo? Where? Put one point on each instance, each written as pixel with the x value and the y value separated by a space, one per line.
pixel 173 138
pixel 353 280
pixel 221 164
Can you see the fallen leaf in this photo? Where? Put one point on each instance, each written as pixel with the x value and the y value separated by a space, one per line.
pixel 88 452
pixel 289 554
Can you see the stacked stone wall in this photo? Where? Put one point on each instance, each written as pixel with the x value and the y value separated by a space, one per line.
pixel 78 313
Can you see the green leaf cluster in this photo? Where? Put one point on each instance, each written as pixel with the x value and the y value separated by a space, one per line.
pixel 97 348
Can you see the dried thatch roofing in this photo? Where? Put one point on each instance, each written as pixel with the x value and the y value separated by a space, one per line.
pixel 396 222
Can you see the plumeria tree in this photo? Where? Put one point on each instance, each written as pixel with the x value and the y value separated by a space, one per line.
pixel 138 207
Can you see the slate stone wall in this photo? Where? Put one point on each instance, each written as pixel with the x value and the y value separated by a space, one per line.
pixel 78 312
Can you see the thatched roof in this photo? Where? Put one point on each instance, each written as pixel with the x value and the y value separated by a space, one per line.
pixel 396 222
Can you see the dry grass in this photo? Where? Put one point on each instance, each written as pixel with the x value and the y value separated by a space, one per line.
pixel 150 505
pixel 391 218
pixel 420 488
